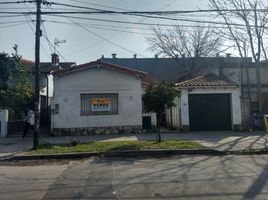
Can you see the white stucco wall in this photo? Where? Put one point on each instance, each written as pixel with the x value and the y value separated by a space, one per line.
pixel 235 102
pixel 67 90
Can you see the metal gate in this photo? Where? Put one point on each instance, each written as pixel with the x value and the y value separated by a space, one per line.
pixel 210 112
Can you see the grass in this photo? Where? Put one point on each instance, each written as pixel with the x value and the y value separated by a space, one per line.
pixel 107 146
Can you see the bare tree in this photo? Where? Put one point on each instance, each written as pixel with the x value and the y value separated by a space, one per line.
pixel 186 45
pixel 253 15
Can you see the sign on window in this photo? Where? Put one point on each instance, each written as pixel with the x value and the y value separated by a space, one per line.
pixel 100 104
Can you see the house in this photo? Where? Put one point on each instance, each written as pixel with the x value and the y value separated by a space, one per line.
pixel 97 98
pixel 209 103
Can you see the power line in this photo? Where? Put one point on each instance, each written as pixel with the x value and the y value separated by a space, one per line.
pixel 134 13
pixel 46 37
pixel 107 40
pixel 12 25
pixel 30 21
pixel 100 5
pixel 104 27
pixel 50 45
pixel 154 24
pixel 96 26
pixel 118 32
pixel 13 22
pixel 45 32
pixel 152 12
pixel 8 16
pixel 16 2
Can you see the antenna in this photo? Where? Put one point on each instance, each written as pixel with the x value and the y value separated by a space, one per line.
pixel 57 42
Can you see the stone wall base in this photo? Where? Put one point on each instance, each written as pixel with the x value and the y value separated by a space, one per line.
pixel 114 130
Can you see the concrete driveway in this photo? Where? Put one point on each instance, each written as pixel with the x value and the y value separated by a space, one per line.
pixel 222 141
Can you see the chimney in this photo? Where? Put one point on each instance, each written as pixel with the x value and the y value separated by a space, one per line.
pixel 183 55
pixel 55 60
pixel 228 55
pixel 102 56
pixel 217 55
pixel 156 56
pixel 176 56
pixel 135 56
pixel 114 55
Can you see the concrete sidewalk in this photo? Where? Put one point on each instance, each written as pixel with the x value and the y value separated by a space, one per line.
pixel 221 141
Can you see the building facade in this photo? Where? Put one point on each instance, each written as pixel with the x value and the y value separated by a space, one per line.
pixel 97 98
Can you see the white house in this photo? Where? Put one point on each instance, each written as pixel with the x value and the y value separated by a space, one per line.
pixel 209 103
pixel 97 98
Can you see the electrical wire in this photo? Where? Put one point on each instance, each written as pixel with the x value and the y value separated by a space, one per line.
pixel 12 25
pixel 119 32
pixel 16 2
pixel 107 40
pixel 172 12
pixel 154 24
pixel 45 32
pixel 29 21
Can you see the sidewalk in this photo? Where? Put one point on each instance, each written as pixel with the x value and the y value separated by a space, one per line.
pixel 220 141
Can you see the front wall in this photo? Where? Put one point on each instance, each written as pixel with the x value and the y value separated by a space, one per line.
pixel 69 87
pixel 235 102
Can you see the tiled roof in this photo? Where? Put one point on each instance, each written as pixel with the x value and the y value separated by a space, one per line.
pixel 207 80
pixel 105 65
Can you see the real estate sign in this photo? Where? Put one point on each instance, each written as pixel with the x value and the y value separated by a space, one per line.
pixel 100 104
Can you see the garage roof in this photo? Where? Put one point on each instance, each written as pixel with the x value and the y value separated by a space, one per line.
pixel 206 80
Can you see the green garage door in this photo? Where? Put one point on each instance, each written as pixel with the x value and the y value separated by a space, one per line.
pixel 210 112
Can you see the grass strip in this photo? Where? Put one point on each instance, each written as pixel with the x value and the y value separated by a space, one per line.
pixel 106 146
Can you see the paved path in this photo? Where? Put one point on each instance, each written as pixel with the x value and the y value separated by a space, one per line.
pixel 221 141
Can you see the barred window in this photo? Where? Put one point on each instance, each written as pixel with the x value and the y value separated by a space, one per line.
pixel 99 104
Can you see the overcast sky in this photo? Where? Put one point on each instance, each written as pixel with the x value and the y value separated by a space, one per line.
pixel 88 40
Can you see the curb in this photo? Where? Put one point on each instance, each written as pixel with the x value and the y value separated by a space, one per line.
pixel 124 153
pixel 134 153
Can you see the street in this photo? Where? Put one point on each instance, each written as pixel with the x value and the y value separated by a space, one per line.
pixel 183 177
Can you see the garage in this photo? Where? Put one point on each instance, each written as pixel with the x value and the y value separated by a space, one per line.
pixel 210 112
pixel 209 103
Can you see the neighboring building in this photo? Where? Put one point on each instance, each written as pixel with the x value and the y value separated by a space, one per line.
pixel 97 98
pixel 46 83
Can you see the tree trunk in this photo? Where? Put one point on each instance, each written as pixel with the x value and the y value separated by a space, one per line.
pixel 158 136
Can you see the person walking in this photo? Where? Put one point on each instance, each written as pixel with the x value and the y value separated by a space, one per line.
pixel 29 123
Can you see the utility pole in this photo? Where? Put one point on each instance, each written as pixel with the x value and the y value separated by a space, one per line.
pixel 38 34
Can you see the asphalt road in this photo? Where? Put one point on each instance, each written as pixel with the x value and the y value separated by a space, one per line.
pixel 184 177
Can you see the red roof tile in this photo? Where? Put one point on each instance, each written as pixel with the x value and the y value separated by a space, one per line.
pixel 207 80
